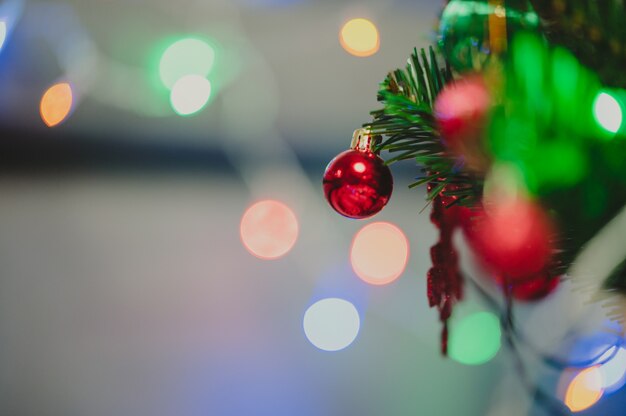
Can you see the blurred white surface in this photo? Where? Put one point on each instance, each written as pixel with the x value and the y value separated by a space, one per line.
pixel 278 65
pixel 134 296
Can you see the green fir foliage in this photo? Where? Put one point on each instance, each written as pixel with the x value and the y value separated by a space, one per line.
pixel 409 129
pixel 595 31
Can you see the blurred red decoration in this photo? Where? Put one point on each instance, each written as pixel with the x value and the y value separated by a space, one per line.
pixel 512 238
pixel 445 283
pixel 357 183
pixel 534 288
pixel 462 111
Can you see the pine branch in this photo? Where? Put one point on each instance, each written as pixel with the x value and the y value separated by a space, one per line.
pixel 409 128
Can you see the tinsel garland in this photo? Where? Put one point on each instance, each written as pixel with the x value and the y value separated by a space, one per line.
pixel 445 283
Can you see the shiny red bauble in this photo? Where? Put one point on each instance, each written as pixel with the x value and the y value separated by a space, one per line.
pixel 513 239
pixel 357 183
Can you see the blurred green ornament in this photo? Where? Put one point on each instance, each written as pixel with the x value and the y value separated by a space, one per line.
pixel 554 164
pixel 471 31
pixel 544 124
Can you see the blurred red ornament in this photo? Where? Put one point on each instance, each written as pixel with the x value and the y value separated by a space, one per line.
pixel 512 238
pixel 357 183
pixel 534 288
pixel 461 111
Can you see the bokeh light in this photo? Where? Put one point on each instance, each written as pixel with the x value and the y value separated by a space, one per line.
pixel 475 339
pixel 331 324
pixel 607 112
pixel 269 229
pixel 359 37
pixel 3 32
pixel 593 348
pixel 584 390
pixel 56 104
pixel 190 94
pixel 614 371
pixel 189 56
pixel 379 254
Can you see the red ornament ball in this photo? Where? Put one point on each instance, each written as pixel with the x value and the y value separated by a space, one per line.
pixel 533 289
pixel 462 111
pixel 357 184
pixel 513 238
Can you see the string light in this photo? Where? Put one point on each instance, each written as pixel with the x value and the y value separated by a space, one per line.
pixel 269 229
pixel 607 112
pixel 331 324
pixel 188 56
pixel 359 37
pixel 614 371
pixel 584 390
pixel 56 104
pixel 475 339
pixel 190 94
pixel 3 32
pixel 379 253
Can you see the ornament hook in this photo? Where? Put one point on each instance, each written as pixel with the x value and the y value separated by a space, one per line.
pixel 364 141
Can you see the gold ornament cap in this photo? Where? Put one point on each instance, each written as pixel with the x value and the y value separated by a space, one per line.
pixel 364 141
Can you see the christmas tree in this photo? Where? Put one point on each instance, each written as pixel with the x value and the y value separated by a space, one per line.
pixel 515 120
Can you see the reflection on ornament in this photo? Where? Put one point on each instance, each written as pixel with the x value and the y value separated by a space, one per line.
pixel 470 31
pixel 357 183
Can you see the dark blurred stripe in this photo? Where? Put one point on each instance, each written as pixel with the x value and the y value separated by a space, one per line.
pixel 55 151
pixel 40 151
